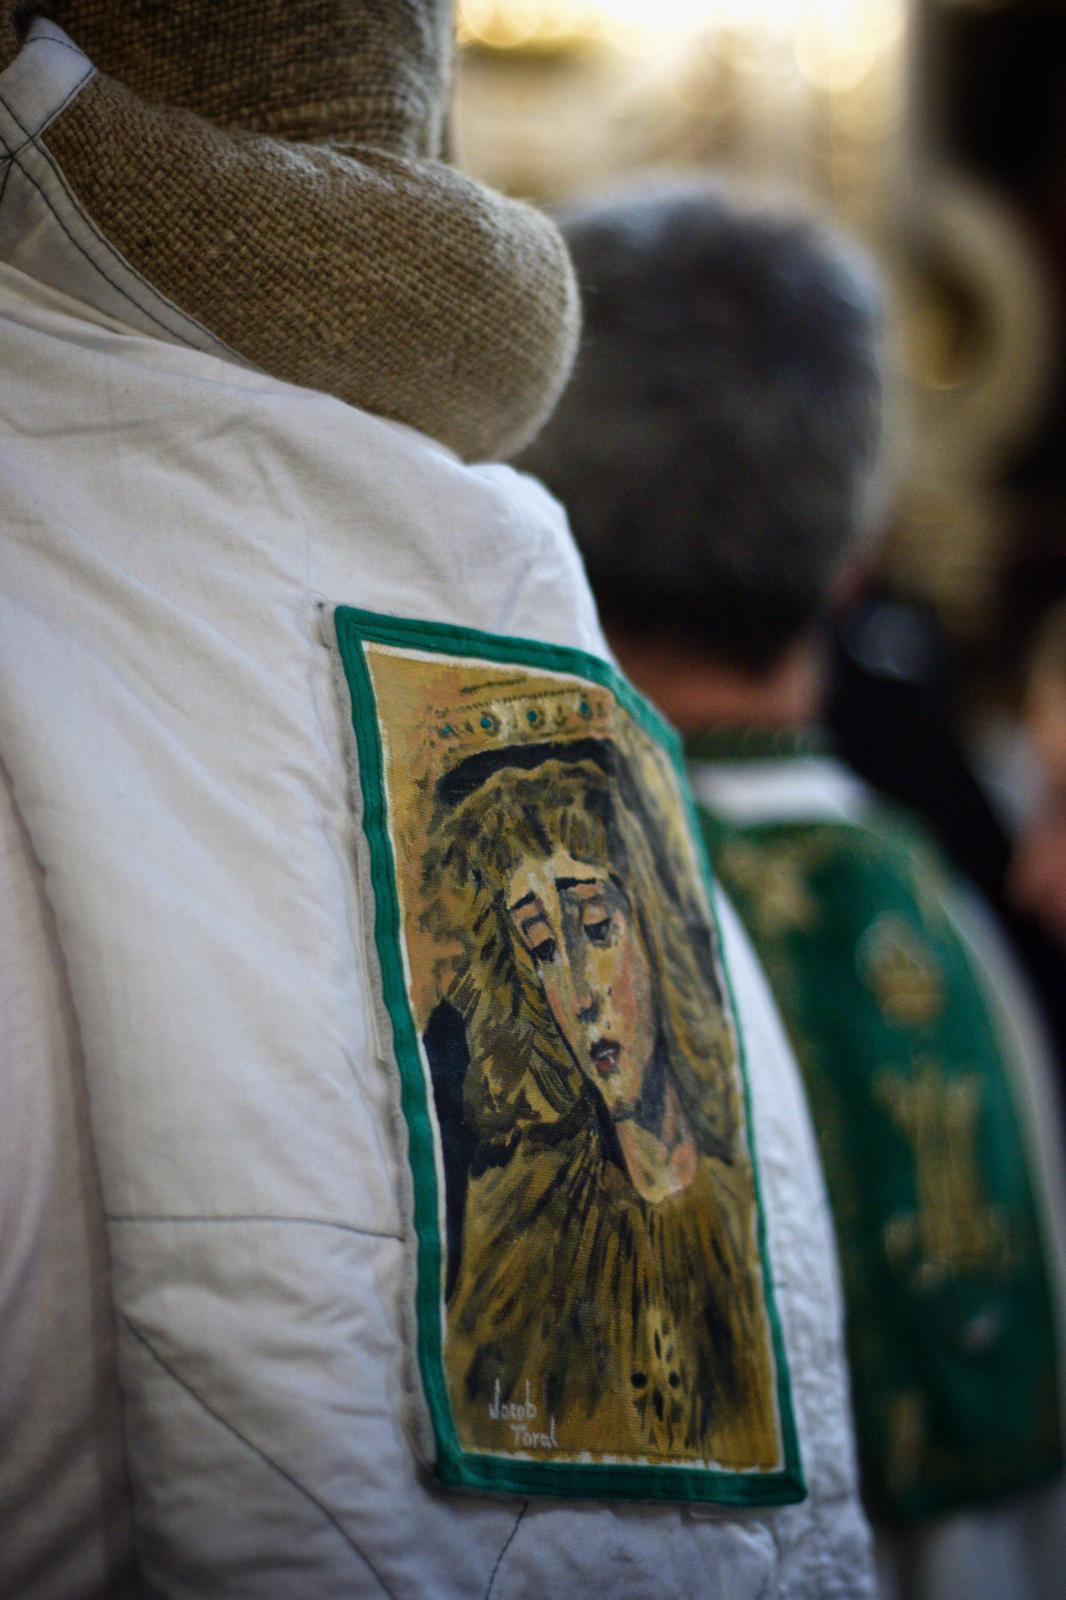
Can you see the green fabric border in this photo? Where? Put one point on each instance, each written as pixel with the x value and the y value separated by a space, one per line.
pixel 454 1466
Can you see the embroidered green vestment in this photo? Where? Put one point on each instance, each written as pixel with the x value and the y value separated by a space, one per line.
pixel 950 1326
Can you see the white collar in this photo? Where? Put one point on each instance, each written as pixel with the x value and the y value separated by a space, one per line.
pixel 793 788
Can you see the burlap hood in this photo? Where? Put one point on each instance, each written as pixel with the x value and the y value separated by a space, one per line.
pixel 272 167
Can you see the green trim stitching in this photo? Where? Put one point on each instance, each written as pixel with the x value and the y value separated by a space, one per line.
pixel 454 1466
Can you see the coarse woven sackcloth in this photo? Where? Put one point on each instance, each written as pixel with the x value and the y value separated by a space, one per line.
pixel 272 167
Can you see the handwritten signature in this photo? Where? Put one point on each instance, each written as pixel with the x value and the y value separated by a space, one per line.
pixel 519 1414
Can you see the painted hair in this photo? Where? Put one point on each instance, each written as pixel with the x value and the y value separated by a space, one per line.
pixel 522 1074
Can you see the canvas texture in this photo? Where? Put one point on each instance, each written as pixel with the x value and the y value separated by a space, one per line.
pixel 595 1314
pixel 275 171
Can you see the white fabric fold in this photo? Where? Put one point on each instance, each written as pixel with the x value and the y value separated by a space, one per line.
pixel 169 717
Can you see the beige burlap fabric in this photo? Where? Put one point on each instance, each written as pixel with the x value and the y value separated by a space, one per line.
pixel 270 166
pixel 314 71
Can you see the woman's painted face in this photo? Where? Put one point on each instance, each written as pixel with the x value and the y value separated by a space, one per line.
pixel 575 922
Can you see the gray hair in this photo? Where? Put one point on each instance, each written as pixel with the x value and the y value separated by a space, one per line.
pixel 719 446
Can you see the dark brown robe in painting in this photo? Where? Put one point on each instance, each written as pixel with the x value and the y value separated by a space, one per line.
pixel 579 1301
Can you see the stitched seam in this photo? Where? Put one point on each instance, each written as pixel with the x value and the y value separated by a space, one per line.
pixel 78 87
pixel 49 119
pixel 108 246
pixel 304 1222
pixel 82 251
pixel 256 1450
pixel 56 44
pixel 506 1547
pixel 3 184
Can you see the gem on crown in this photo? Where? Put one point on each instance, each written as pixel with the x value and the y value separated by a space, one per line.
pixel 502 714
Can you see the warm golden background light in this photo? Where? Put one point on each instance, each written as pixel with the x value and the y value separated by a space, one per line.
pixel 840 103
pixel 833 43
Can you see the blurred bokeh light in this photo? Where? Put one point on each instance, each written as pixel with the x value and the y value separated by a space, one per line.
pixel 933 129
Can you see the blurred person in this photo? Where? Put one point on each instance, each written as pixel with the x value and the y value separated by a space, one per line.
pixel 287 1028
pixel 890 708
pixel 720 451
pixel 1038 868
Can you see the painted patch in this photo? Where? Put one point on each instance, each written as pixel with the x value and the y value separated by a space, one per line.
pixel 594 1312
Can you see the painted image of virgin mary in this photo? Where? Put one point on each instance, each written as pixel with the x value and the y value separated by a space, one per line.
pixel 603 1286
